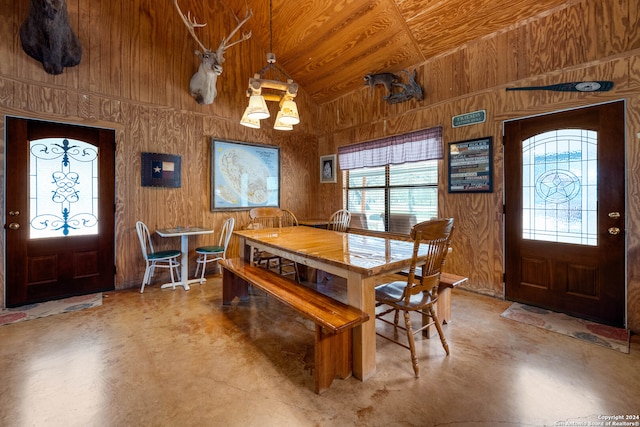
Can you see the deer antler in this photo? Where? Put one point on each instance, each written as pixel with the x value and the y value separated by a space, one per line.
pixel 245 36
pixel 191 24
pixel 203 83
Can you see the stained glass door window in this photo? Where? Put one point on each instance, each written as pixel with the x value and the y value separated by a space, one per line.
pixel 559 187
pixel 63 188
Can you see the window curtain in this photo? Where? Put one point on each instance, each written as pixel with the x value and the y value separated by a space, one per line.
pixel 416 146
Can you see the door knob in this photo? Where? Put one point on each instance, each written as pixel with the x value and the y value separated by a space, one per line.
pixel 614 215
pixel 14 226
pixel 614 230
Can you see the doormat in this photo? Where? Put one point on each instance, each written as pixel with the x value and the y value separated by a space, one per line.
pixel 49 308
pixel 606 336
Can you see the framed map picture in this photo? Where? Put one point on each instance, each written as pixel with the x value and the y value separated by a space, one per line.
pixel 471 166
pixel 243 175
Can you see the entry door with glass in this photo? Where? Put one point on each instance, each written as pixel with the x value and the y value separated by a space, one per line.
pixel 60 210
pixel 565 212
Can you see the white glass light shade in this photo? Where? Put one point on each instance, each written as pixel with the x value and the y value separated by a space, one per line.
pixel 280 125
pixel 250 123
pixel 290 112
pixel 257 108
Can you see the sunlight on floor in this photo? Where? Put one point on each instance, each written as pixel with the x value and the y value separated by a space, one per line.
pixel 539 391
pixel 58 381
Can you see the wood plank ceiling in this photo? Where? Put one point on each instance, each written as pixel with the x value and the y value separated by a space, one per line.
pixel 328 46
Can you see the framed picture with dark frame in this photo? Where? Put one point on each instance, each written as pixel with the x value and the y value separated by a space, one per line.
pixel 244 175
pixel 161 170
pixel 328 168
pixel 471 166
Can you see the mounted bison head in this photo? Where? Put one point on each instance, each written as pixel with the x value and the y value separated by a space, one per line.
pixel 47 37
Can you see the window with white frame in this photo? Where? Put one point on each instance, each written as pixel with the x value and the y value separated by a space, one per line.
pixel 392 184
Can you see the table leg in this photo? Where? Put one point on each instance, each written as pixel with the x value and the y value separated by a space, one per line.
pixel 184 266
pixel 185 261
pixel 361 294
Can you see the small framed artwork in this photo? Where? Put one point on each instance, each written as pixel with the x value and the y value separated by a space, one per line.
pixel 471 166
pixel 161 170
pixel 328 168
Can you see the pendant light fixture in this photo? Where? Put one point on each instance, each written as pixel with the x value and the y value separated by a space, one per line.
pixel 279 88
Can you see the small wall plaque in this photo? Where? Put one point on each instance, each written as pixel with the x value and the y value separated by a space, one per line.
pixel 466 119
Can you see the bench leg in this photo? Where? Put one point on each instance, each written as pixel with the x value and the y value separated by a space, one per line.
pixel 444 305
pixel 233 286
pixel 332 357
pixel 442 309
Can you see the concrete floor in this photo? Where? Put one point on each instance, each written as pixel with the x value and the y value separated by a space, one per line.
pixel 177 358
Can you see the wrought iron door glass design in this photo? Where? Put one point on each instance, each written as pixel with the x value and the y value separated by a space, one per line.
pixel 63 188
pixel 559 187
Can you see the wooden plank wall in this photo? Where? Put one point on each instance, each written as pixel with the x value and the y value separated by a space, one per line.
pixel 586 41
pixel 134 77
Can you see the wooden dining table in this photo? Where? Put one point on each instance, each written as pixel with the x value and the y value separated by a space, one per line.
pixel 360 259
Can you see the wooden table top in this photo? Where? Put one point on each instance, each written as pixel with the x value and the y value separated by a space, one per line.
pixel 183 231
pixel 314 222
pixel 369 255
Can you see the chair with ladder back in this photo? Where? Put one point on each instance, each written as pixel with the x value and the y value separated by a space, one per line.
pixel 419 293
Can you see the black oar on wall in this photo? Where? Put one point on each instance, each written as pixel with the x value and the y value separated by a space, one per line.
pixel 596 86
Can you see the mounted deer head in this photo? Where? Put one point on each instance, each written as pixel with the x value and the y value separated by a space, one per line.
pixel 47 37
pixel 203 83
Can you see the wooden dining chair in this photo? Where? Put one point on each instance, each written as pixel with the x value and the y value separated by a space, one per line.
pixel 358 220
pixel 400 223
pixel 161 259
pixel 207 254
pixel 266 217
pixel 289 219
pixel 419 293
pixel 287 266
pixel 339 220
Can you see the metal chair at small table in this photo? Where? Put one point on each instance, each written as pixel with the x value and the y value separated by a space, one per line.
pixel 209 254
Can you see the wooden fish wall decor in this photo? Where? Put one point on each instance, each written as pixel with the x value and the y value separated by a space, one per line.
pixel 596 86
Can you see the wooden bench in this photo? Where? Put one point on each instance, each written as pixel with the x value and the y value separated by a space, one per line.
pixel 334 320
